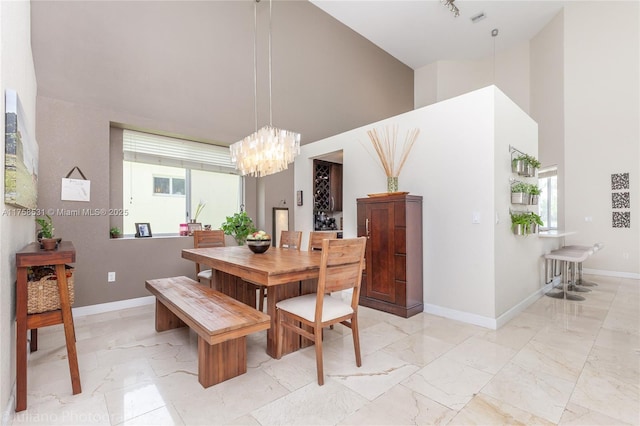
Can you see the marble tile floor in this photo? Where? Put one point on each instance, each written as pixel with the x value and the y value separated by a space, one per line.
pixel 558 362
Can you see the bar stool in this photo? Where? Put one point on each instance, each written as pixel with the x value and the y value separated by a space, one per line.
pixel 575 266
pixel 595 248
pixel 566 258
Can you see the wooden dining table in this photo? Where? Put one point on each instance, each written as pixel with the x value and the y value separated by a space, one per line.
pixel 286 273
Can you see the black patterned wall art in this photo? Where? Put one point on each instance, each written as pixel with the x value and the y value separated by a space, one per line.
pixel 621 219
pixel 619 181
pixel 620 200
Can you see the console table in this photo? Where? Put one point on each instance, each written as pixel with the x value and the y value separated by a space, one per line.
pixel 32 255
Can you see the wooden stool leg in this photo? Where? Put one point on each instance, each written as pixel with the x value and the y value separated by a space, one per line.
pixel 33 343
pixel 69 330
pixel 21 340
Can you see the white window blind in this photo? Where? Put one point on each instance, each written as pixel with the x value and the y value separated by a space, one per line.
pixel 154 149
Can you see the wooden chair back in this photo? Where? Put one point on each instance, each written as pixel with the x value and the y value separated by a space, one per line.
pixel 341 267
pixel 204 239
pixel 290 239
pixel 315 239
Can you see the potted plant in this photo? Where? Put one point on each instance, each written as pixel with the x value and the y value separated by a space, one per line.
pixel 115 232
pixel 519 164
pixel 532 164
pixel 520 223
pixel 534 193
pixel 199 209
pixel 46 233
pixel 519 193
pixel 239 226
pixel 535 222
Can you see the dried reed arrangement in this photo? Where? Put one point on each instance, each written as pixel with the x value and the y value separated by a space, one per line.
pixel 386 143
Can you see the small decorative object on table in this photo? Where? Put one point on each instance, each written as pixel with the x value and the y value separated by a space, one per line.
pixel 385 146
pixel 45 236
pixel 259 242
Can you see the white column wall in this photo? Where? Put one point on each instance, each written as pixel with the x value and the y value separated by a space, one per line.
pixel 452 166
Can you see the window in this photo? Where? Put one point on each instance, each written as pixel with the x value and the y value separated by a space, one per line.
pixel 168 186
pixel 548 201
pixel 164 180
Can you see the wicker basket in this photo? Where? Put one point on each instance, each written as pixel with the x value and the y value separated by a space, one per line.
pixel 42 294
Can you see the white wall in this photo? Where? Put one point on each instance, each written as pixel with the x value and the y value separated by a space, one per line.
pixel 520 274
pixel 452 166
pixel 16 73
pixel 509 71
pixel 547 99
pixel 602 127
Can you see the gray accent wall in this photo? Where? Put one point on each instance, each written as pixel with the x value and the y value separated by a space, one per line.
pixel 186 68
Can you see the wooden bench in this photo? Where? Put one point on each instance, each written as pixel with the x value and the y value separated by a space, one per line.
pixel 221 322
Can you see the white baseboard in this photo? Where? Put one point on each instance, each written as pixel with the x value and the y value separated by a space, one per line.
pixel 113 306
pixel 491 323
pixel 605 273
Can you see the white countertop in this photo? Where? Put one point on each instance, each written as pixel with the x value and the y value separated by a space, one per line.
pixel 555 234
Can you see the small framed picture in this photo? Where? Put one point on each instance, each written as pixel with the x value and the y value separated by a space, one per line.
pixel 194 227
pixel 143 230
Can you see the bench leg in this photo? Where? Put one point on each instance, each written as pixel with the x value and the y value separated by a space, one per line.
pixel 165 319
pixel 220 362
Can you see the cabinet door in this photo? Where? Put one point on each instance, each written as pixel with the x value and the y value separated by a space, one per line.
pixel 379 279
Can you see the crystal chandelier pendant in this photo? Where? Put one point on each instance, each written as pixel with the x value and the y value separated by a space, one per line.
pixel 268 150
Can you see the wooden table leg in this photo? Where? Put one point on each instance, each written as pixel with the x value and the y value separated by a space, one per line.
pixel 21 339
pixel 69 329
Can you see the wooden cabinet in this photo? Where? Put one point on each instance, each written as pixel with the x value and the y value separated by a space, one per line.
pixel 327 186
pixel 392 280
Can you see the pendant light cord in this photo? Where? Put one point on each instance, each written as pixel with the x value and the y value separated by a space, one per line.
pixel 255 63
pixel 270 81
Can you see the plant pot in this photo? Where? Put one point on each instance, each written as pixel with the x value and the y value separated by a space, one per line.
pixel 519 198
pixel 49 243
pixel 533 228
pixel 529 171
pixel 534 199
pixel 518 229
pixel 518 166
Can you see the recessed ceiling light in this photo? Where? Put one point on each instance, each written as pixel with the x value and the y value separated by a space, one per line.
pixel 478 17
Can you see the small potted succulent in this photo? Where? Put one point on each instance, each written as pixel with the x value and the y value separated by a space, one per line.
pixel 45 236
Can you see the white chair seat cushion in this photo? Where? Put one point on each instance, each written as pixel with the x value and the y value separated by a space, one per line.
pixel 305 307
pixel 205 274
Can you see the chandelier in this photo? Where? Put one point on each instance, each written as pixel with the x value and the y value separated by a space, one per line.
pixel 268 150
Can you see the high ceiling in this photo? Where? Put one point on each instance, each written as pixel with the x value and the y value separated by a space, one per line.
pixel 419 32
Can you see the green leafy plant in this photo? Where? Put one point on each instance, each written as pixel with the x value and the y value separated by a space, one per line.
pixel 520 187
pixel 114 232
pixel 532 161
pixel 526 220
pixel 534 190
pixel 239 226
pixel 46 226
pixel 534 218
